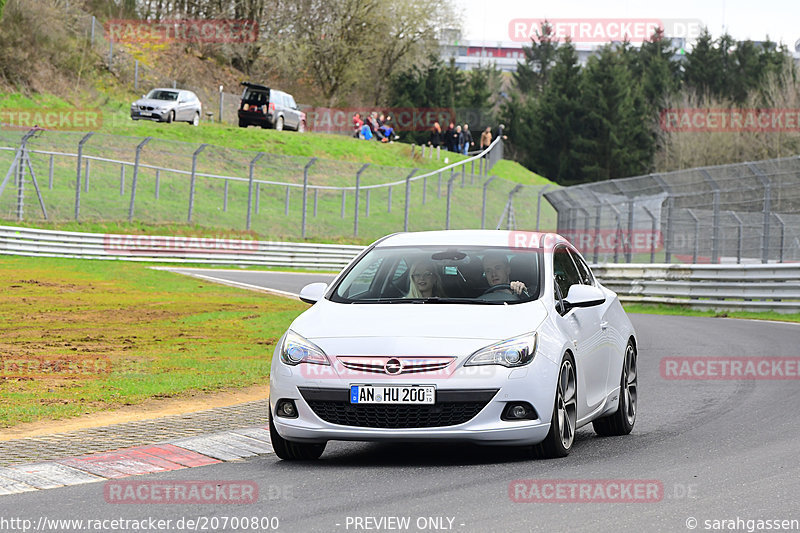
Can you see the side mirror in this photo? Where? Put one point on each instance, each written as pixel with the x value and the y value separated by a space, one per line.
pixel 584 296
pixel 313 292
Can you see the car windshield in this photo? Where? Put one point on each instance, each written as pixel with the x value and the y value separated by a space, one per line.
pixel 442 274
pixel 157 94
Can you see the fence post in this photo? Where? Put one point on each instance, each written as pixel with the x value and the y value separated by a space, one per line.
pixel 472 172
pixel 78 182
pixel 122 179
pixel 767 209
pixel 91 38
pixel 696 234
pixel 408 196
pixel 483 205
pixel 136 75
pixel 258 197
pixel 316 190
pixel 225 198
pixel 739 236
pixel 628 251
pixel 221 98
pixel 250 188
pixel 652 234
pixel 449 195
pixel 424 189
pixel 136 176
pixel 193 179
pixel 539 205
pixel 344 197
pixel 50 180
pixel 358 188
pixel 286 202
pixel 715 236
pixel 783 235
pixel 158 183
pixel 305 197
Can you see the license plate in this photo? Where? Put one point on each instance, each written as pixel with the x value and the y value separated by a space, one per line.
pixel 146 114
pixel 393 394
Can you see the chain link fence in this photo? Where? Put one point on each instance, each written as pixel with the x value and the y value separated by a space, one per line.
pixel 740 213
pixel 68 176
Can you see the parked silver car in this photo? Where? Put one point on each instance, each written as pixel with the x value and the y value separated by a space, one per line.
pixel 168 105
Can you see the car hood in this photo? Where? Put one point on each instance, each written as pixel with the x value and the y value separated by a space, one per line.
pixel 151 102
pixel 330 320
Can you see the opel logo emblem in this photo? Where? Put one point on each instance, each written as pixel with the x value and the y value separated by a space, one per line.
pixel 393 366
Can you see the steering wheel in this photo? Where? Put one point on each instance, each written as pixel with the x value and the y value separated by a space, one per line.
pixel 499 287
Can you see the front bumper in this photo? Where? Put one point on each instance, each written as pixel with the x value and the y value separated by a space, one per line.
pixel 534 384
pixel 158 116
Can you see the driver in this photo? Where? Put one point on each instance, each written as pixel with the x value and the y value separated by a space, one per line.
pixel 498 272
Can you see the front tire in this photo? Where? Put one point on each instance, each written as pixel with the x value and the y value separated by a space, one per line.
pixel 170 117
pixel 293 451
pixel 558 442
pixel 301 127
pixel 621 422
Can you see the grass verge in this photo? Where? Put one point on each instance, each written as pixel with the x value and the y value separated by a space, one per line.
pixel 683 310
pixel 84 336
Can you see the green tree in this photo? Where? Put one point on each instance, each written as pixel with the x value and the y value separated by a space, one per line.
pixel 615 138
pixel 532 74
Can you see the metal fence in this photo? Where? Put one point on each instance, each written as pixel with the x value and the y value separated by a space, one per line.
pixel 740 213
pixel 67 176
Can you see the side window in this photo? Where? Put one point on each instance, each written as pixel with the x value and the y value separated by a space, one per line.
pixel 566 275
pixel 583 269
pixel 364 279
pixel 290 101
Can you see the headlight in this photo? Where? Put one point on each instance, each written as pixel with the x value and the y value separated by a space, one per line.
pixel 514 352
pixel 296 350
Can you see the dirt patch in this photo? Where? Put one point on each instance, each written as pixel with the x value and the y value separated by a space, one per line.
pixel 150 409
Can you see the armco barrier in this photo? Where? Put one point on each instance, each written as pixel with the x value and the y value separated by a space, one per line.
pixel 201 250
pixel 757 287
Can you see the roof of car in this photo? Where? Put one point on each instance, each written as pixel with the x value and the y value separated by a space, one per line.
pixel 512 239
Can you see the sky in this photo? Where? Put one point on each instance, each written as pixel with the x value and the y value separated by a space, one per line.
pixel 744 19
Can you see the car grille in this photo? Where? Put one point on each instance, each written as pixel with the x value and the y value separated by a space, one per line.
pixel 452 407
pixel 146 108
pixel 377 365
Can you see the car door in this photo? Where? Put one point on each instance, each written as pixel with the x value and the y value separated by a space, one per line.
pixel 614 340
pixel 181 111
pixel 293 111
pixel 582 327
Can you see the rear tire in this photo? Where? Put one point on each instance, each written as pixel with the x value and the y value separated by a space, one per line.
pixel 621 422
pixel 279 124
pixel 559 439
pixel 196 120
pixel 293 451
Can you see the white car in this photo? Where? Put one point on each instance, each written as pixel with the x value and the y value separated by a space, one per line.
pixel 168 105
pixel 492 337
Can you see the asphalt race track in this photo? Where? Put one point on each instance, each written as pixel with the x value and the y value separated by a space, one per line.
pixel 719 450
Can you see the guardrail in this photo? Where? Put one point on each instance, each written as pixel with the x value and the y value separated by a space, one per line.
pixel 149 248
pixel 756 287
